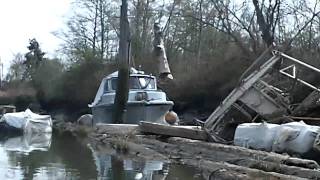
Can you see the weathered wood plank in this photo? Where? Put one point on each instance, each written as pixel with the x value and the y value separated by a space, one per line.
pixel 191 132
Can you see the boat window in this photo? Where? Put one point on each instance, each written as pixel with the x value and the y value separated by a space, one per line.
pixel 135 82
pixel 142 83
pixel 113 84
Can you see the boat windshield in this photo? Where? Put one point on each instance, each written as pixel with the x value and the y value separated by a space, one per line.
pixel 135 82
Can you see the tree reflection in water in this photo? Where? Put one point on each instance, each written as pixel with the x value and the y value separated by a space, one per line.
pixel 64 157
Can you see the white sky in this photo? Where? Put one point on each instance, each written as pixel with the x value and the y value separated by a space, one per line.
pixel 21 20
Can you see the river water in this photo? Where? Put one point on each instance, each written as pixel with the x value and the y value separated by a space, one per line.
pixel 63 157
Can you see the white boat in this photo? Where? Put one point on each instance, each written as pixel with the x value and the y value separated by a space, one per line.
pixel 26 122
pixel 145 101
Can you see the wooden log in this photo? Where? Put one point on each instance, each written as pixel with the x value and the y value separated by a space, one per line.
pixel 188 151
pixel 244 152
pixel 241 164
pixel 131 129
pixel 191 132
pixel 258 156
pixel 215 170
pixel 117 129
pixel 223 170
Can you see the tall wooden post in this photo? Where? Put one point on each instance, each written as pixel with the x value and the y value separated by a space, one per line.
pixel 122 91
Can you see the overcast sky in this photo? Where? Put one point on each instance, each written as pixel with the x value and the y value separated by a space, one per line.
pixel 22 20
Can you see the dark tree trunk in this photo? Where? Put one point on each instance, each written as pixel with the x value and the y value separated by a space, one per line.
pixel 102 24
pixel 94 39
pixel 265 27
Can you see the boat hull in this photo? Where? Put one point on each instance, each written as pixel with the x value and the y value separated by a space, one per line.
pixel 136 112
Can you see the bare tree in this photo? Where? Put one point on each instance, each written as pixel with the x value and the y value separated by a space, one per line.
pixel 267 21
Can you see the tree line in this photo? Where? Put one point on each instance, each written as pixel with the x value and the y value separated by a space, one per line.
pixel 209 43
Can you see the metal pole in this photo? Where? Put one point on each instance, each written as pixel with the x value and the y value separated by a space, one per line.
pixel 300 62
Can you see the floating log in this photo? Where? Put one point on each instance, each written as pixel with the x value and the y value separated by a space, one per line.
pixel 180 150
pixel 244 152
pixel 220 161
pixel 223 170
pixel 132 129
pixel 154 149
pixel 191 132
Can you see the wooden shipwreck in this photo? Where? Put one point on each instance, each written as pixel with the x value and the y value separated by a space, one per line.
pixel 265 92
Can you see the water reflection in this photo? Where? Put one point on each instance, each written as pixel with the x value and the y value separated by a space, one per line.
pixel 113 167
pixel 43 157
pixel 63 157
pixel 27 143
pixel 121 167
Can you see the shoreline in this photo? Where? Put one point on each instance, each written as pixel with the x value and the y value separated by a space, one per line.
pixel 215 161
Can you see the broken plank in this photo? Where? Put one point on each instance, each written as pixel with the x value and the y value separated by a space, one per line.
pixel 191 132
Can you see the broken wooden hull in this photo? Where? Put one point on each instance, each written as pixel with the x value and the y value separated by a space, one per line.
pixel 265 92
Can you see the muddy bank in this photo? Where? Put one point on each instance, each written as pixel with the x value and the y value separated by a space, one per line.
pixel 216 161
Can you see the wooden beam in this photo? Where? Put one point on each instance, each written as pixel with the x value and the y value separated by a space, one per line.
pixel 304 118
pixel 191 132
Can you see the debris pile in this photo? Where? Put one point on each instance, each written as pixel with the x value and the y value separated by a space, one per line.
pixel 267 91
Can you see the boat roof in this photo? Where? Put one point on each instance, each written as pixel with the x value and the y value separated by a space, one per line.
pixel 133 72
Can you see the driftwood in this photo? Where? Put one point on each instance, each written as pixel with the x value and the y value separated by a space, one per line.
pixel 223 170
pixel 249 153
pixel 191 132
pixel 197 152
pixel 254 159
pixel 110 146
pixel 145 127
pixel 150 148
pixel 218 160
pixel 118 129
